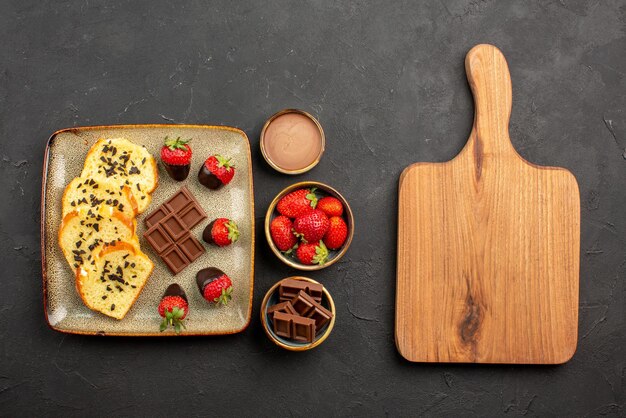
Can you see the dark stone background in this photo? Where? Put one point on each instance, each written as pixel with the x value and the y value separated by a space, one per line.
pixel 386 80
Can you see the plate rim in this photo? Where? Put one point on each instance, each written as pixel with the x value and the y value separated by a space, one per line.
pixel 44 183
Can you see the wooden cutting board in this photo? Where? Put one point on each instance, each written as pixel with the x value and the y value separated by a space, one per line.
pixel 488 244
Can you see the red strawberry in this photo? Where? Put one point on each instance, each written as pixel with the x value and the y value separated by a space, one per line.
pixel 312 253
pixel 173 308
pixel 282 234
pixel 336 234
pixel 215 286
pixel 221 232
pixel 331 206
pixel 311 226
pixel 297 203
pixel 216 172
pixel 176 157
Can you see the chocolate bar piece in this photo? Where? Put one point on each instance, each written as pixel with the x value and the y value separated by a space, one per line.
pixel 294 327
pixel 192 215
pixel 175 260
pixel 169 230
pixel 303 329
pixel 289 289
pixel 173 226
pixel 284 307
pixel 180 200
pixel 321 316
pixel 303 303
pixel 158 238
pixel 184 204
pixel 190 246
pixel 305 306
pixel 156 216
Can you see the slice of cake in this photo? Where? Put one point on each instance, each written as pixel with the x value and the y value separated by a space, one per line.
pixel 81 232
pixel 112 284
pixel 100 196
pixel 125 164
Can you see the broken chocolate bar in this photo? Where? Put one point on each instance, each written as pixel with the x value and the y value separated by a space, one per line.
pixel 289 289
pixel 305 306
pixel 169 230
pixel 303 303
pixel 294 327
pixel 284 307
pixel 184 204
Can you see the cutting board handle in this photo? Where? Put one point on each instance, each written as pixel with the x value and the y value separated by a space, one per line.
pixel 490 81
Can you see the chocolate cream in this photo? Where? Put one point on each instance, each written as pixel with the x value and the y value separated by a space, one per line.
pixel 292 141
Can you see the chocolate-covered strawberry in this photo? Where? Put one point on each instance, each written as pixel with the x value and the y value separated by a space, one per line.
pixel 176 158
pixel 312 226
pixel 297 203
pixel 214 285
pixel 216 172
pixel 281 231
pixel 312 253
pixel 336 234
pixel 221 232
pixel 173 308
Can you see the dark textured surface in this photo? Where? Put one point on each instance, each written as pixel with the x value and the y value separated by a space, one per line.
pixel 388 85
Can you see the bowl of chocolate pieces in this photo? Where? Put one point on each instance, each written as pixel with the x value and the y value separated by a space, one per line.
pixel 298 313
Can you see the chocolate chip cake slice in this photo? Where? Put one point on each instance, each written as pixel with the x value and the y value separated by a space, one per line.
pixel 126 165
pixel 113 282
pixel 98 196
pixel 81 232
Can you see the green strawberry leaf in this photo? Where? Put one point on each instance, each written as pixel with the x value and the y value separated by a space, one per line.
pixel 225 297
pixel 177 143
pixel 312 197
pixel 321 254
pixel 291 250
pixel 224 162
pixel 233 231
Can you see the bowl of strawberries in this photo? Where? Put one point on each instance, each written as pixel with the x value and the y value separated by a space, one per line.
pixel 309 225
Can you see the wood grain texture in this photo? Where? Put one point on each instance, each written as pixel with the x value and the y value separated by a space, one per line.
pixel 488 245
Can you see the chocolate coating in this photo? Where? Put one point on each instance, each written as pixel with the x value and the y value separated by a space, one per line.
pixel 208 179
pixel 206 234
pixel 175 290
pixel 206 276
pixel 177 172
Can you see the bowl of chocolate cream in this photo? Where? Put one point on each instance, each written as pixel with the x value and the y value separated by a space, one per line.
pixel 292 141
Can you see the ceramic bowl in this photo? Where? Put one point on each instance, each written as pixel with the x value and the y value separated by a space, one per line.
pixel 322 190
pixel 278 167
pixel 271 298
